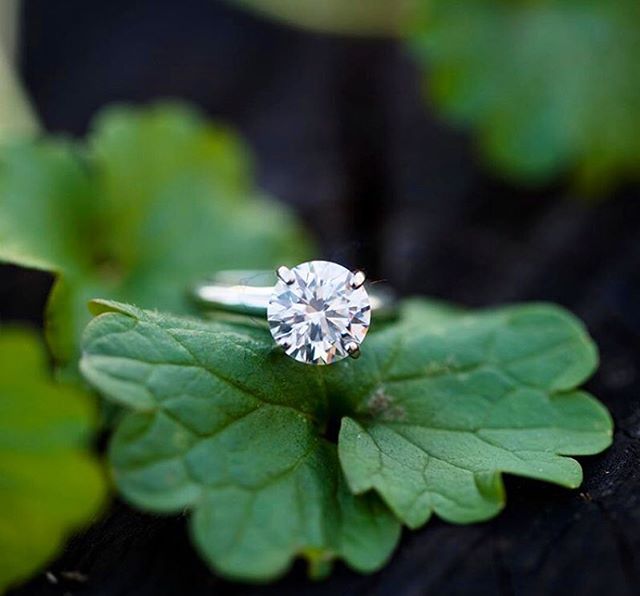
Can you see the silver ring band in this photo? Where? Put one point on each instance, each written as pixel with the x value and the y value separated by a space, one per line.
pixel 248 293
pixel 318 312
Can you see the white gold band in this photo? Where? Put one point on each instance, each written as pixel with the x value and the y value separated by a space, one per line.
pixel 248 292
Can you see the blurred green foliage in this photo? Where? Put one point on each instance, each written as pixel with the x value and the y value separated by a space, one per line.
pixel 155 199
pixel 16 116
pixel 547 86
pixel 349 17
pixel 49 485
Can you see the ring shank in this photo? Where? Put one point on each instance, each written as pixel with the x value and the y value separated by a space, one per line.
pixel 248 293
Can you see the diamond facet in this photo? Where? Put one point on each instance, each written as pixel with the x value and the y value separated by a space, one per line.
pixel 319 316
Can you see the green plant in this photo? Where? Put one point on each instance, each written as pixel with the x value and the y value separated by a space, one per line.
pixel 439 405
pixel 49 484
pixel 155 199
pixel 547 87
pixel 214 418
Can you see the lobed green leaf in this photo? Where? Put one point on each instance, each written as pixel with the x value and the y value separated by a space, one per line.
pixel 223 425
pixel 440 412
pixel 437 408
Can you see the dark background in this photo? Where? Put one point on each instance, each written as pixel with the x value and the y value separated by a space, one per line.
pixel 342 132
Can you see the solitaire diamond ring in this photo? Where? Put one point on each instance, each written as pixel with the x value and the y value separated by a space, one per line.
pixel 319 312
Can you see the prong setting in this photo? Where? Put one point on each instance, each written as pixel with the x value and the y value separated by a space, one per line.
pixel 358 278
pixel 319 318
pixel 353 349
pixel 285 275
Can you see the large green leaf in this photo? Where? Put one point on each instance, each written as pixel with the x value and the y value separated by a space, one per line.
pixel 440 410
pixel 437 407
pixel 49 484
pixel 156 199
pixel 224 425
pixel 547 86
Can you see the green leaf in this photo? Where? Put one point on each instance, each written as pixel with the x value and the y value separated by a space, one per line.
pixel 440 404
pixel 155 199
pixel 546 86
pixel 49 484
pixel 440 411
pixel 379 18
pixel 225 426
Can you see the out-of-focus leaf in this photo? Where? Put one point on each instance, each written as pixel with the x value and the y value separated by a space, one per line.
pixel 9 10
pixel 224 425
pixel 546 86
pixel 157 199
pixel 16 117
pixel 380 18
pixel 49 484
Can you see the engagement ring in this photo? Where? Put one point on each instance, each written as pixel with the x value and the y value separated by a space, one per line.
pixel 319 312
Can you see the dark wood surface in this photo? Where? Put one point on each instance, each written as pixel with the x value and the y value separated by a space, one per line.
pixel 342 133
